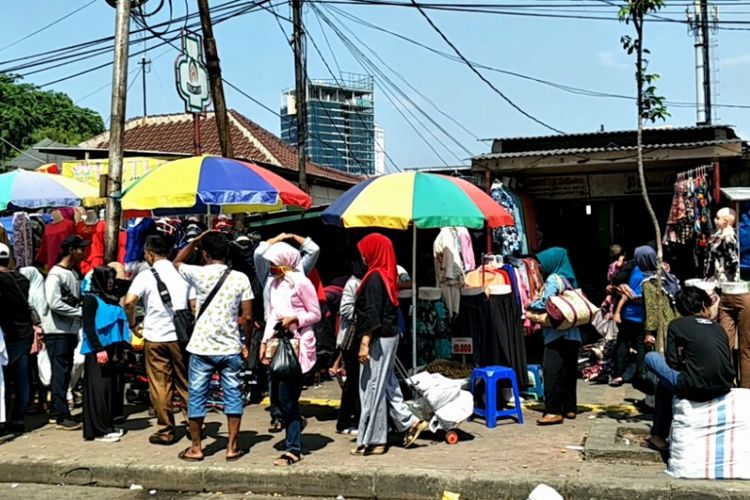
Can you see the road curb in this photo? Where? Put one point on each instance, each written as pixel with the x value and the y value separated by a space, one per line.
pixel 369 482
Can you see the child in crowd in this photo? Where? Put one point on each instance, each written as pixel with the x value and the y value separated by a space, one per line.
pixel 615 301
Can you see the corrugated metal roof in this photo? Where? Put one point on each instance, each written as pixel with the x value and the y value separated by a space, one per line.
pixel 573 151
pixel 613 132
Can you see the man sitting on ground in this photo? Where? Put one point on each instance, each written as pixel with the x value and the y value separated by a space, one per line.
pixel 697 364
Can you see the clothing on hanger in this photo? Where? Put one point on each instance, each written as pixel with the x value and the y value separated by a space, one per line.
pixel 49 248
pixel 23 240
pixel 94 233
pixel 467 249
pixel 137 231
pixel 449 267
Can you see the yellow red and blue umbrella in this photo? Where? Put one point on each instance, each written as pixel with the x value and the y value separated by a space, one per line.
pixel 203 184
pixel 24 190
pixel 419 199
pixel 426 200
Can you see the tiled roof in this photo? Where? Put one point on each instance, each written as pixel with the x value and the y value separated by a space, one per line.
pixel 570 151
pixel 251 142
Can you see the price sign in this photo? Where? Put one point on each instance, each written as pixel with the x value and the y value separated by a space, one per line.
pixel 462 345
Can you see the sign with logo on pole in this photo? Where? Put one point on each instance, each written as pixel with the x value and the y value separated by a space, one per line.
pixel 191 77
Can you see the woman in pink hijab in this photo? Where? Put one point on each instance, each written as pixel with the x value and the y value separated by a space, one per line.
pixel 293 307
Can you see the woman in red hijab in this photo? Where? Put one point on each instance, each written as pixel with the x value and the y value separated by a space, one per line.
pixel 377 327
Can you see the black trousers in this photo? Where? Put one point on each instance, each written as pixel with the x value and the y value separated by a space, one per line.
pixel 350 409
pixel 60 347
pixel 629 335
pixel 560 368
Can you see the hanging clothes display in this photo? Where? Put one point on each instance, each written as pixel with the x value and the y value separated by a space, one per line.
pixel 54 234
pixel 138 230
pixel 467 248
pixel 507 238
pixel 449 267
pixel 37 231
pixel 690 220
pixel 95 252
pixel 473 319
pixel 503 343
pixel 433 326
pixel 23 240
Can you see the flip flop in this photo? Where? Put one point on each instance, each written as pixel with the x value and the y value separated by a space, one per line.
pixel 376 450
pixel 236 457
pixel 183 456
pixel 276 427
pixel 414 433
pixel 358 451
pixel 287 459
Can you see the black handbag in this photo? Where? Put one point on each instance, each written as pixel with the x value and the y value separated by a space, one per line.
pixel 184 321
pixel 285 364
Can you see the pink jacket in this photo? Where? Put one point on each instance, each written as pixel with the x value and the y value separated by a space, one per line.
pixel 304 305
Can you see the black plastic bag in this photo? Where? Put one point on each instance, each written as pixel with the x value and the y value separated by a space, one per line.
pixel 285 364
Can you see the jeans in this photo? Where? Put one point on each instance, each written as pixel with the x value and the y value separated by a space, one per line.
pixel 288 403
pixel 665 393
pixel 273 395
pixel 199 376
pixel 17 374
pixel 60 347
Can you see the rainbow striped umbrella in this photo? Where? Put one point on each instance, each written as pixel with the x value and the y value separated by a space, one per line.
pixel 202 184
pixel 421 199
pixel 426 200
pixel 23 189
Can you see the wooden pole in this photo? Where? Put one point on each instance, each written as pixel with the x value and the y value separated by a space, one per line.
pixel 117 129
pixel 214 75
pixel 300 93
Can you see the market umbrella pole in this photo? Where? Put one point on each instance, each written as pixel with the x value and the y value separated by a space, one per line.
pixel 414 299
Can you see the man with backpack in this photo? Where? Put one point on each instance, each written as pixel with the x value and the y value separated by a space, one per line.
pixel 163 293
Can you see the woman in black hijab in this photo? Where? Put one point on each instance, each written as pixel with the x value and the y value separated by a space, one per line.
pixel 105 328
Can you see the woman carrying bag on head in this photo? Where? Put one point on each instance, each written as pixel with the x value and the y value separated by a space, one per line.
pixel 293 310
pixel 376 313
pixel 105 330
pixel 560 364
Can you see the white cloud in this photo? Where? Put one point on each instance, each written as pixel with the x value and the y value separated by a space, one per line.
pixel 735 61
pixel 612 60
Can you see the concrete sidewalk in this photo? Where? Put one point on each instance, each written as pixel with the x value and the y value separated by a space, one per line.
pixel 506 462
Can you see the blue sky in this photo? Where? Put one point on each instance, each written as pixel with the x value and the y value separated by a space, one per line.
pixel 256 57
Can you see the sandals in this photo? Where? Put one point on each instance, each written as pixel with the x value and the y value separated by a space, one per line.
pixel 183 455
pixel 413 434
pixel 366 451
pixel 236 457
pixel 276 427
pixel 287 459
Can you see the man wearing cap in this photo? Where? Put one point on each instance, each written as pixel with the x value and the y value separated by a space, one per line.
pixel 18 323
pixel 61 325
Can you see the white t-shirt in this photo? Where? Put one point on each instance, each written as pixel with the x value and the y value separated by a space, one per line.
pixel 216 331
pixel 158 324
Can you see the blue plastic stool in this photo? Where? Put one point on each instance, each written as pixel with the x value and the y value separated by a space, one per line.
pixel 491 375
pixel 535 390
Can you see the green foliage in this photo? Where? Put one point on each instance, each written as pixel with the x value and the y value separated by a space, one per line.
pixel 29 114
pixel 651 106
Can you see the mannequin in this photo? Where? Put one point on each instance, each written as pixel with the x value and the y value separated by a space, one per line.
pixel 449 267
pixel 90 228
pixel 723 268
pixel 54 234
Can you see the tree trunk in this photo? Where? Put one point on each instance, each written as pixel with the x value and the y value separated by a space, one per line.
pixel 641 170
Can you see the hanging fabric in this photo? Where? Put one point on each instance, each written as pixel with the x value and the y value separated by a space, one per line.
pixel 507 237
pixel 23 240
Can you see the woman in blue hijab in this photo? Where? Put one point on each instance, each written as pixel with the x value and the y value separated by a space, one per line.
pixel 560 365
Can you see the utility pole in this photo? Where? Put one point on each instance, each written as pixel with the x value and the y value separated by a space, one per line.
pixel 117 128
pixel 300 92
pixel 699 25
pixel 214 75
pixel 145 66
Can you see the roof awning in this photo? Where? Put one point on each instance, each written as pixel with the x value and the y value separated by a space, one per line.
pixel 736 193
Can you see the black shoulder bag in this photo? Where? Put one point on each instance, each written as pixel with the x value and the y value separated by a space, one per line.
pixel 184 321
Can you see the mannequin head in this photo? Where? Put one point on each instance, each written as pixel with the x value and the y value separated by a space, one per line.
pixel 725 218
pixel 91 217
pixel 56 216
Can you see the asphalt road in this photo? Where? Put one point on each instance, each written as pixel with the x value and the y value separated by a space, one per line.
pixel 46 492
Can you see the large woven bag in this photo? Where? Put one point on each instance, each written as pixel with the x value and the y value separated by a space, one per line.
pixel 570 308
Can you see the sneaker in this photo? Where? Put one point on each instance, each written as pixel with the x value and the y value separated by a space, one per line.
pixel 68 424
pixel 120 431
pixel 112 437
